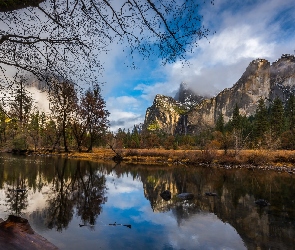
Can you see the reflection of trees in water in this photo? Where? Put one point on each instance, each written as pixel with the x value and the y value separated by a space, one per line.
pixel 81 187
pixel 73 184
pixel 236 192
pixel 60 204
pixel 89 195
pixel 16 194
pixel 16 200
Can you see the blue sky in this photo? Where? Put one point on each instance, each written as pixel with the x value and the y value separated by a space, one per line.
pixel 245 30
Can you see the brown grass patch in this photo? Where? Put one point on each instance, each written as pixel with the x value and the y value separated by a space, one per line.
pixel 160 156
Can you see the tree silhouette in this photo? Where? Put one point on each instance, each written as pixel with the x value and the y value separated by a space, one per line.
pixel 90 194
pixel 277 119
pixel 93 109
pixel 261 124
pixel 220 123
pixel 63 100
pixel 60 205
pixel 21 102
pixel 64 37
pixel 290 112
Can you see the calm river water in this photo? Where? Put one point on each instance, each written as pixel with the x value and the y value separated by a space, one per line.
pixel 85 205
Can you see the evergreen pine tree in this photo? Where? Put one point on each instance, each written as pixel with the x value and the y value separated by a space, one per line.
pixel 135 142
pixel 290 113
pixel 277 120
pixel 220 124
pixel 236 120
pixel 261 124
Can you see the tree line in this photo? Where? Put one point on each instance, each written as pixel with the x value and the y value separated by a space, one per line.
pixel 271 127
pixel 77 118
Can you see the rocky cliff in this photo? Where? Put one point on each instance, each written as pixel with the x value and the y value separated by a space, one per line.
pixel 163 114
pixel 260 80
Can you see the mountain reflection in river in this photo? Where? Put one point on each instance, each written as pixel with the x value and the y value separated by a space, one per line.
pixel 85 205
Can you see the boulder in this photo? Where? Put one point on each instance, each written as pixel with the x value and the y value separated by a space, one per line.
pixel 166 195
pixel 16 233
pixel 262 203
pixel 185 196
pixel 210 194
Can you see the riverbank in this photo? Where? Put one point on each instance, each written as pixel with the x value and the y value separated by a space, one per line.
pixel 280 160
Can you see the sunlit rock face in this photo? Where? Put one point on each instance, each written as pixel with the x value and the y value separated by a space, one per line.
pixel 163 114
pixel 167 113
pixel 260 80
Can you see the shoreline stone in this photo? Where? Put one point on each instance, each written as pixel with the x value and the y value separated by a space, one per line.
pixel 17 234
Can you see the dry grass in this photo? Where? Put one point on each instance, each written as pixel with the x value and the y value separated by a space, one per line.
pixel 160 156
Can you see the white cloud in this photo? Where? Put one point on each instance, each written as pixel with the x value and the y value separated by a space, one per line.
pixel 244 31
pixel 128 102
pixel 150 91
pixel 40 99
pixel 125 112
pixel 122 119
pixel 242 35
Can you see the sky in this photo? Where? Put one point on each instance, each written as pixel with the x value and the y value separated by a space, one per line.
pixel 241 31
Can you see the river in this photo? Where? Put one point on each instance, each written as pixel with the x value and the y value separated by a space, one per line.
pixel 86 205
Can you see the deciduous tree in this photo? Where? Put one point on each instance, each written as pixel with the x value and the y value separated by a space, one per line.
pixel 93 110
pixel 45 37
pixel 63 101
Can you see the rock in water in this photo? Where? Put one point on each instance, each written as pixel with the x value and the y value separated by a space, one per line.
pixel 262 203
pixel 185 196
pixel 16 233
pixel 210 194
pixel 166 195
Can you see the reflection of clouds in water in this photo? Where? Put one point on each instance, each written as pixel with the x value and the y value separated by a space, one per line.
pixel 205 231
pixel 147 214
pixel 199 231
pixel 2 204
pixel 125 192
pixel 36 200
pixel 202 230
pixel 124 184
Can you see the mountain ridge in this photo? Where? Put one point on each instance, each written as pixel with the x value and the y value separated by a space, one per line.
pixel 191 113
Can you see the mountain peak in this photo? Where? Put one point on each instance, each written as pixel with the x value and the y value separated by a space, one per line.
pixel 195 112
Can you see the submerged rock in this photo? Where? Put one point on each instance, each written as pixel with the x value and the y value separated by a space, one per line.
pixel 166 195
pixel 262 203
pixel 185 196
pixel 16 233
pixel 210 194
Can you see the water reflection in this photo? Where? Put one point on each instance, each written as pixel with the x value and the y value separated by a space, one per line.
pixel 117 207
pixel 16 200
pixel 71 187
pixel 75 186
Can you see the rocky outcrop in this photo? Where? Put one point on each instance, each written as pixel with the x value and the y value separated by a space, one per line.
pixel 163 114
pixel 16 233
pixel 187 97
pixel 253 85
pixel 260 80
pixel 168 114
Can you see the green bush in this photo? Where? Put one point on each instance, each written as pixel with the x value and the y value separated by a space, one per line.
pixel 20 142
